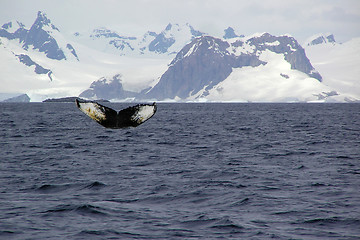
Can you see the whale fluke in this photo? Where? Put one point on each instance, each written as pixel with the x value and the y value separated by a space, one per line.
pixel 109 118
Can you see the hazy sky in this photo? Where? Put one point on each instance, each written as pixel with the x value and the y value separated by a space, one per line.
pixel 300 18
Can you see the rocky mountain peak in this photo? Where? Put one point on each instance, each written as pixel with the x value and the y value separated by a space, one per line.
pixel 36 37
pixel 42 20
pixel 200 46
pixel 202 63
pixel 289 46
pixel 7 25
pixel 107 33
pixel 168 27
pixel 321 39
pixel 230 33
pixel 170 35
pixel 43 37
pixel 40 38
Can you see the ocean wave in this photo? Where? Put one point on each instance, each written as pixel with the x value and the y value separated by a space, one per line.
pixel 107 232
pixel 331 221
pixel 81 209
pixel 95 185
pixel 9 234
pixel 53 188
pixel 217 225
pixel 227 225
pixel 241 202
pixel 56 188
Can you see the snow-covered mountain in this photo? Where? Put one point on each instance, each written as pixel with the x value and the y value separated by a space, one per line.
pixel 29 54
pixel 262 67
pixel 108 88
pixel 338 63
pixel 44 63
pixel 167 42
pixel 39 37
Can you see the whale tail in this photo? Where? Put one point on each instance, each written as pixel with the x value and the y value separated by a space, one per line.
pixel 129 117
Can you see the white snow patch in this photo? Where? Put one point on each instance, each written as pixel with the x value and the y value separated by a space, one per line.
pixel 255 35
pixel 275 43
pixel 245 48
pixel 191 50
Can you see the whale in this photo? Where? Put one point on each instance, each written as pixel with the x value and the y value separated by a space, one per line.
pixel 132 116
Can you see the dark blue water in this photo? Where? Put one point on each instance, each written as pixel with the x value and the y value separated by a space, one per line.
pixel 193 171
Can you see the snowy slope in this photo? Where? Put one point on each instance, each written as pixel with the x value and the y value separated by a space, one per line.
pixel 338 64
pixel 71 77
pixel 276 81
pixel 273 82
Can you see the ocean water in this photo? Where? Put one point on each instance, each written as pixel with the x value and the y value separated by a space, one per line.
pixel 193 171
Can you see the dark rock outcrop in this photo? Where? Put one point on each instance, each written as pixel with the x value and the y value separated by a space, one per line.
pixel 68 100
pixel 321 39
pixel 230 33
pixel 25 59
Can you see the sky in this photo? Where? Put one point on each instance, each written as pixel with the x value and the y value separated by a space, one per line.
pixel 299 18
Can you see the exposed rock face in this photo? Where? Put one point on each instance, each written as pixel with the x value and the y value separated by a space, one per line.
pixel 108 89
pixel 25 59
pixel 161 43
pixel 206 61
pixel 203 62
pixel 288 46
pixel 42 40
pixel 230 33
pixel 321 39
pixel 72 50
